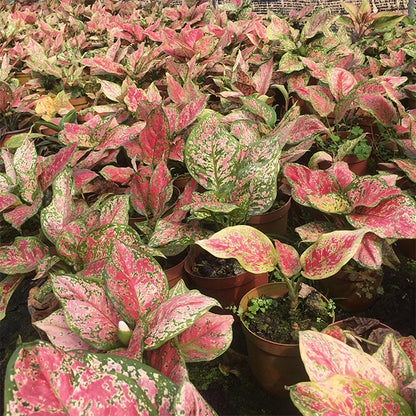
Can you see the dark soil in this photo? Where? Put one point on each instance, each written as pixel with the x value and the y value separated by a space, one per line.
pixel 207 265
pixel 278 323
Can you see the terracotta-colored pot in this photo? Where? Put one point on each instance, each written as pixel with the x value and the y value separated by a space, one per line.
pixel 273 222
pixel 356 165
pixel 273 365
pixel 176 273
pixel 22 77
pixel 10 134
pixel 79 103
pixel 352 291
pixel 227 290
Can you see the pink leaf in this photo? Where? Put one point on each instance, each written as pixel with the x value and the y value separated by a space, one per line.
pixel 7 287
pixel 287 259
pixel 341 82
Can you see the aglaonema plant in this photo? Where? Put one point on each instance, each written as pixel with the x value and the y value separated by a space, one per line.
pixel 42 378
pixel 135 315
pixel 355 203
pixel 349 381
pixel 257 254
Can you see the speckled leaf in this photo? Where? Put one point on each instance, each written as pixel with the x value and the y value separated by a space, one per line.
pixel 190 402
pixel 253 249
pixel 310 232
pixel 25 163
pixel 392 355
pixel 189 113
pixel 7 287
pixel 263 77
pixel 22 213
pixel 111 90
pixel 305 182
pixel 317 97
pixel 340 82
pixel 161 188
pixel 208 201
pixel 45 265
pixel 121 175
pixel 104 64
pixel 140 193
pixel 391 218
pixel 209 337
pixel 169 361
pixel 288 259
pixel 154 139
pixel 53 165
pixel 260 109
pixel 115 210
pixel 135 283
pixel 22 256
pixel 175 315
pixel 210 154
pixel 369 191
pixel 290 63
pixel 379 107
pixel 335 332
pixel 370 252
pixel 246 131
pixel 60 334
pixel 331 203
pixel 319 21
pixel 68 239
pixel 330 252
pixel 408 345
pixel 346 396
pixel 408 166
pixel 98 242
pixel 42 379
pixel 325 356
pixel 88 311
pixel 58 212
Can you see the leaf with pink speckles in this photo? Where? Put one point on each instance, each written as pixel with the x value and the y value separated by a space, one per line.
pixel 287 259
pixel 330 252
pixel 391 218
pixel 325 356
pixel 190 402
pixel 22 256
pixel 88 311
pixel 210 154
pixel 209 337
pixel 347 395
pixel 135 282
pixel 58 212
pixel 43 379
pixel 253 249
pixel 391 354
pixel 161 188
pixel 25 163
pixel 175 315
pixel 340 82
pixel 408 166
pixel 23 212
pixel 115 210
pixel 260 109
pixel 121 175
pixel 408 345
pixel 7 287
pixel 190 112
pixel 379 107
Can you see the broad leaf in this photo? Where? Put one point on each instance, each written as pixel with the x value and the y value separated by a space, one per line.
pixel 288 259
pixel 253 249
pixel 7 287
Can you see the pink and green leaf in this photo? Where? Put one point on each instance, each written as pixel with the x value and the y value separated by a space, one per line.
pixel 379 107
pixel 330 252
pixel 261 109
pixel 17 216
pixel 325 356
pixel 7 287
pixel 347 395
pixel 288 259
pixel 88 311
pixel 340 82
pixel 253 249
pixel 22 256
pixel 190 402
pixel 135 283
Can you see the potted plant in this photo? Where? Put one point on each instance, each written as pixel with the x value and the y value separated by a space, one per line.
pixel 371 208
pixel 256 253
pixel 349 380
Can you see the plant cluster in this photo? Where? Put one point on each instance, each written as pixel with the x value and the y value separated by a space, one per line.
pixel 243 103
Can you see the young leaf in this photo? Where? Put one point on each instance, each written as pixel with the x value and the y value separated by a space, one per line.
pixel 288 259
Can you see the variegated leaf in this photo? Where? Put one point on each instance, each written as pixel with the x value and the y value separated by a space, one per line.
pixel 347 395
pixel 370 252
pixel 140 194
pixel 22 213
pixel 325 356
pixel 261 109
pixel 97 243
pixel 135 283
pixel 391 218
pixel 310 232
pixel 7 287
pixel 408 345
pixel 340 82
pixel 288 259
pixel 175 315
pixel 22 256
pixel 58 213
pixel 253 249
pixel 210 155
pixel 209 337
pixel 121 175
pixel 25 163
pixel 161 189
pixel 88 311
pixel 408 166
pixel 379 107
pixel 189 113
pixel 330 252
pixel 189 401
pixel 115 210
pixel 60 334
pixel 391 354
pixel 68 239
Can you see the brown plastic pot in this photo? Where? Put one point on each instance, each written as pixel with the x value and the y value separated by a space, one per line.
pixel 352 291
pixel 273 222
pixel 356 165
pixel 273 365
pixel 227 290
